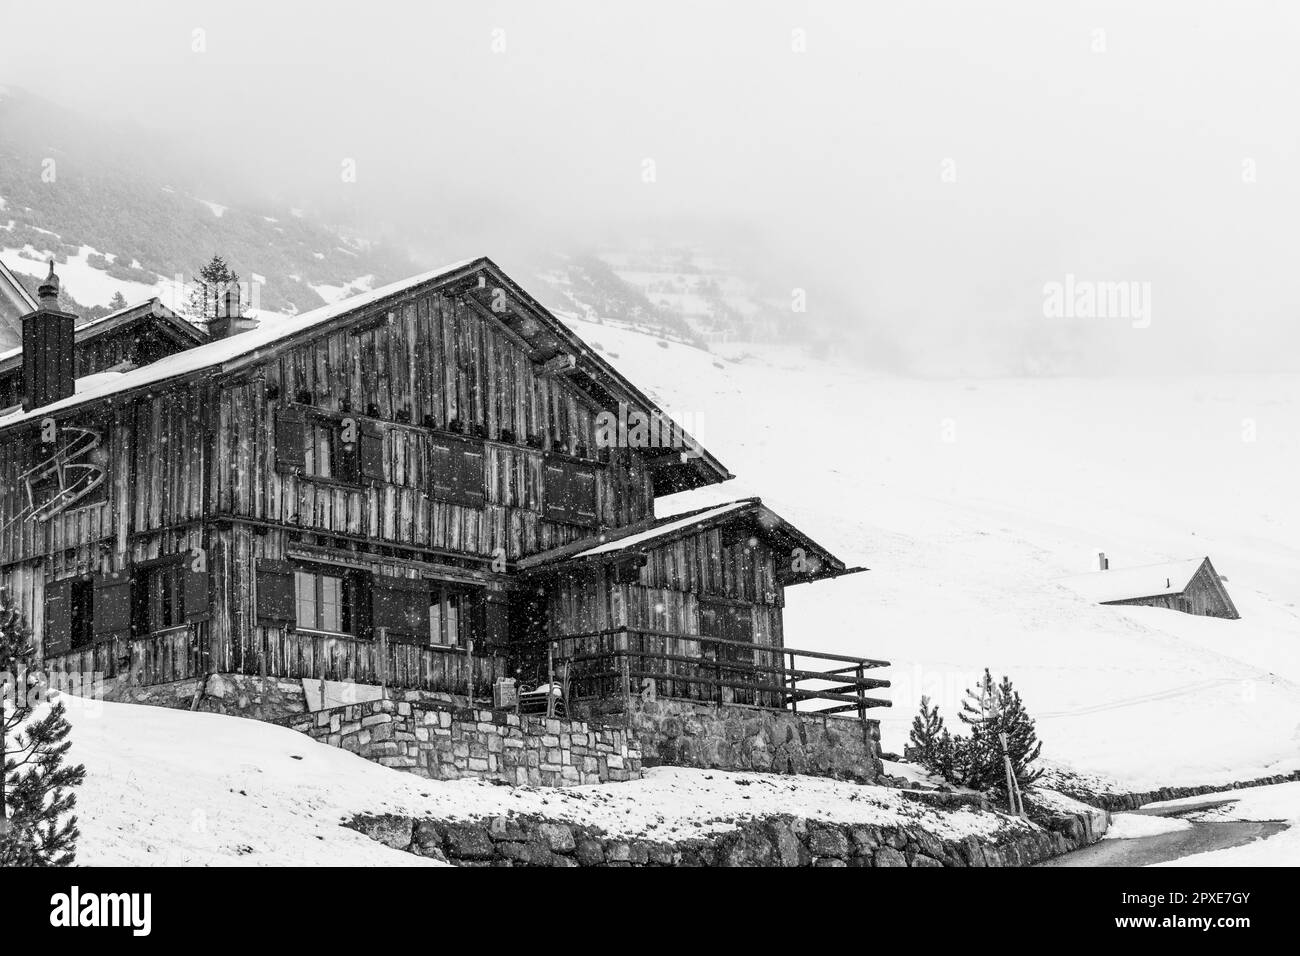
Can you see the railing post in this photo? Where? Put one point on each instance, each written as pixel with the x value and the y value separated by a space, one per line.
pixel 794 685
pixel 550 679
pixel 625 665
pixel 862 700
pixel 469 672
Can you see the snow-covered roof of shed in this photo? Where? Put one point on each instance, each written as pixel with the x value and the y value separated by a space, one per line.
pixel 663 530
pixel 1126 584
pixel 144 308
pixel 747 513
pixel 268 333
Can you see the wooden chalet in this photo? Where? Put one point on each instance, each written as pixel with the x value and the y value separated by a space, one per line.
pixel 1191 586
pixel 408 488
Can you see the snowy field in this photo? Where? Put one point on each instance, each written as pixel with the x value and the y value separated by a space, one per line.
pixel 170 787
pixel 968 500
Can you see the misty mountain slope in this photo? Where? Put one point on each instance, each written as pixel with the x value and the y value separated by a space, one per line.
pixel 106 204
pixel 968 500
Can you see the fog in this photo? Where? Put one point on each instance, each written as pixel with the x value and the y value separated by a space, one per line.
pixel 930 174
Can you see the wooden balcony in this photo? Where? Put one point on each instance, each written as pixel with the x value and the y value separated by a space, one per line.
pixel 606 667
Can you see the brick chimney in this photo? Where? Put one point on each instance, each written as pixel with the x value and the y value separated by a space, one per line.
pixel 49 365
pixel 1103 564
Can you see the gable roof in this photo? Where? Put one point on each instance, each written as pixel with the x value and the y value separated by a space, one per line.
pixel 15 302
pixel 1127 584
pixel 177 326
pixel 540 331
pixel 748 515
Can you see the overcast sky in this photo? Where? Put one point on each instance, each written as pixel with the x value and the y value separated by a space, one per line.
pixel 931 168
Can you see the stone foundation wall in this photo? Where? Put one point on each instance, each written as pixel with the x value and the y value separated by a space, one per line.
pixel 778 841
pixel 241 695
pixel 445 742
pixel 709 736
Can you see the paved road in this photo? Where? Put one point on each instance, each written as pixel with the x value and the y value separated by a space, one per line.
pixel 1143 851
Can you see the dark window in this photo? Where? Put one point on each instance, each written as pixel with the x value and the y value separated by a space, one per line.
pixel 158 598
pixel 345 450
pixel 290 439
pixel 325 601
pixel 328 455
pixel 83 613
pixel 455 616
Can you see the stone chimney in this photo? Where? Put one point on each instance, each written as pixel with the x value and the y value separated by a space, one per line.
pixel 228 313
pixel 49 336
pixel 1103 563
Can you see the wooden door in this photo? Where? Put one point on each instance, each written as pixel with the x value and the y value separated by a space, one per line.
pixel 730 622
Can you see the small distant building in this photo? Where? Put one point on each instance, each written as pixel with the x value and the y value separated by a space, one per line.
pixel 1191 586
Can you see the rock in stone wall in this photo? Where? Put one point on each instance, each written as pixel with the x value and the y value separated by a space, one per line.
pixel 684 734
pixel 260 698
pixel 242 695
pixel 779 841
pixel 445 742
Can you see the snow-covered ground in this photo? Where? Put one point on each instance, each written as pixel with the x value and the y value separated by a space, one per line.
pixel 1131 826
pixel 968 500
pixel 1278 803
pixel 170 787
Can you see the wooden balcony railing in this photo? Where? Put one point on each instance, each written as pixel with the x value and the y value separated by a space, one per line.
pixel 617 662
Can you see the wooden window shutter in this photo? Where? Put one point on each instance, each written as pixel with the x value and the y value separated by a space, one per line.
pixel 570 493
pixel 555 491
pixel 197 599
pixel 402 606
pixel 496 620
pixel 372 451
pixel 440 470
pixel 456 472
pixel 275 594
pixel 582 494
pixel 290 439
pixel 57 638
pixel 470 484
pixel 112 607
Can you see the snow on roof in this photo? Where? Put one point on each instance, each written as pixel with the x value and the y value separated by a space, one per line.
pixel 642 537
pixel 1125 584
pixel 247 343
pixel 95 323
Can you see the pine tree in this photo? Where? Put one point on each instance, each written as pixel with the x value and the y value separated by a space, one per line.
pixel 35 787
pixel 993 709
pixel 118 302
pixel 927 731
pixel 210 288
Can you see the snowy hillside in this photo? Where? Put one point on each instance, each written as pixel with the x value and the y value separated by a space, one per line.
pixel 117 215
pixel 969 499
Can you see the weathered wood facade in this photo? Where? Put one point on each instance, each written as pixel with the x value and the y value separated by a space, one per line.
pixel 351 495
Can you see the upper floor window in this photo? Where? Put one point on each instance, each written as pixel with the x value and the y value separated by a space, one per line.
pixel 325 602
pixel 158 598
pixel 341 448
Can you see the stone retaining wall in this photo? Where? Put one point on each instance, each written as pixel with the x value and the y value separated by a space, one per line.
pixel 1116 802
pixel 711 736
pixel 778 841
pixel 445 742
